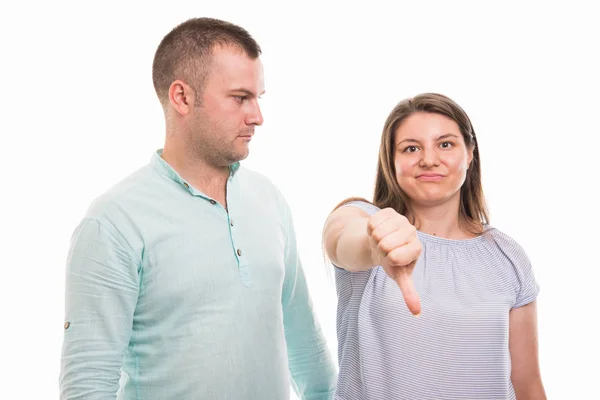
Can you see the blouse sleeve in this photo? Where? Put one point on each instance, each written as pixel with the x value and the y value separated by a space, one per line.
pixel 526 286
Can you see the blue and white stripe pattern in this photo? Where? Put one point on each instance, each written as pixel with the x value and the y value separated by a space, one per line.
pixel 458 347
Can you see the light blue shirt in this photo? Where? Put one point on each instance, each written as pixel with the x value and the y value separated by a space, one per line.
pixel 170 296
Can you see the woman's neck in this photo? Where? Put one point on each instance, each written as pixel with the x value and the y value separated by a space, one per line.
pixel 441 220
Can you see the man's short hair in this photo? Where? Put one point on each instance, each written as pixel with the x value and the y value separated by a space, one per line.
pixel 185 52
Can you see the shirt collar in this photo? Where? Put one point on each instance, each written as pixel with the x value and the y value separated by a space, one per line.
pixel 165 169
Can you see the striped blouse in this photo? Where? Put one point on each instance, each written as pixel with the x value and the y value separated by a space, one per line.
pixel 458 347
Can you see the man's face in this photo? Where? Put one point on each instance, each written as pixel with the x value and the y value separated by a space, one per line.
pixel 222 125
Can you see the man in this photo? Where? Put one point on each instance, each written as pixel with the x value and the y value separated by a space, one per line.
pixel 183 281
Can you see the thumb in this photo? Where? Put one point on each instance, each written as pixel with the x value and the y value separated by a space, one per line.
pixel 407 287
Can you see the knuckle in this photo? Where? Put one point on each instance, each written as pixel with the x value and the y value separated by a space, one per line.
pixel 371 225
pixel 414 256
pixel 382 247
pixel 417 252
pixel 397 258
pixel 399 216
pixel 376 234
pixel 387 242
pixel 389 212
pixel 402 221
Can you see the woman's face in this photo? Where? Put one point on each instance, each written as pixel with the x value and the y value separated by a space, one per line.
pixel 431 158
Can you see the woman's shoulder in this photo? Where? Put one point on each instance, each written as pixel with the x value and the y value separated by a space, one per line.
pixel 512 254
pixel 503 241
pixel 361 203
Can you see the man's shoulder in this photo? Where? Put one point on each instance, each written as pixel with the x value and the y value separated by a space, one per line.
pixel 120 195
pixel 248 175
pixel 260 185
pixel 257 180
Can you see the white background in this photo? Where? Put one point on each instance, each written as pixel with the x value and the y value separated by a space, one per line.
pixel 79 113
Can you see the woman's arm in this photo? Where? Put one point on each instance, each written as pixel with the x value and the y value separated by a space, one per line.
pixel 523 344
pixel 346 239
pixel 357 241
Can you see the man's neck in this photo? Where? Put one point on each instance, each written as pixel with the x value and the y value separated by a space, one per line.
pixel 205 177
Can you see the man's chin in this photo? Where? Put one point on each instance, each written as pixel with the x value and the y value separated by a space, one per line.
pixel 238 157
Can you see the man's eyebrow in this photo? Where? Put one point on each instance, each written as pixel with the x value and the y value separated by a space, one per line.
pixel 247 91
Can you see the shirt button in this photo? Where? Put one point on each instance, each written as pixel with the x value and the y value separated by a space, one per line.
pixel 212 202
pixel 239 252
pixel 231 222
pixel 67 325
pixel 186 185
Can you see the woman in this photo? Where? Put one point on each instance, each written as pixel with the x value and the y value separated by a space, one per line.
pixel 424 246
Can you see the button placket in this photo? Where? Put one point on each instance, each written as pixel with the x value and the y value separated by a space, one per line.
pixel 243 267
pixel 238 245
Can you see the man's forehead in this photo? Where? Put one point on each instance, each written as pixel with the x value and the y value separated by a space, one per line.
pixel 231 53
pixel 238 67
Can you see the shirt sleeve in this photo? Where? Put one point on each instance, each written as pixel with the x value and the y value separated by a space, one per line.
pixel 369 208
pixel 523 279
pixel 312 369
pixel 528 286
pixel 101 291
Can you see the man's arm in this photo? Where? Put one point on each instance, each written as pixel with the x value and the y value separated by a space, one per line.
pixel 312 369
pixel 100 297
